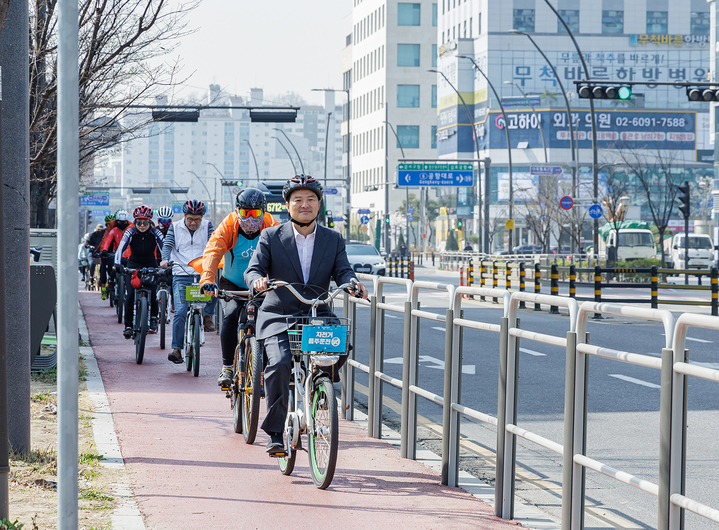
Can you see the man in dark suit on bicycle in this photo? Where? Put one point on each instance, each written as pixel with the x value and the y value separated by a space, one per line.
pixel 308 255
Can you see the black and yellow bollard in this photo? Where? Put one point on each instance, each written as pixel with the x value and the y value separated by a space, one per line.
pixel 572 282
pixel 508 276
pixel 537 284
pixel 655 288
pixel 554 288
pixel 715 292
pixel 494 279
pixel 470 273
pixel 522 305
pixel 482 272
pixel 597 289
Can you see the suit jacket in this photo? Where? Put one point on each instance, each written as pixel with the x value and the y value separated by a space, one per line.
pixel 276 258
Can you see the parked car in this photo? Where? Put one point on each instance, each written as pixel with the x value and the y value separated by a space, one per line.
pixel 528 249
pixel 365 258
pixel 564 249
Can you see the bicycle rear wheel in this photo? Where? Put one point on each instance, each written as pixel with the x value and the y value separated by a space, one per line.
pixel 287 463
pixel 111 294
pixel 189 344
pixel 237 391
pixel 163 314
pixel 196 344
pixel 120 298
pixel 141 329
pixel 323 441
pixel 253 389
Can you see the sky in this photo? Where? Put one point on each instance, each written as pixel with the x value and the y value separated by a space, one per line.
pixel 277 45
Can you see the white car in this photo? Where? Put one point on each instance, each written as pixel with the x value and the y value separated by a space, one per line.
pixel 365 258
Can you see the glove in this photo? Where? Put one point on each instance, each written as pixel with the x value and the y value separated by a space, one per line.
pixel 119 268
pixel 208 288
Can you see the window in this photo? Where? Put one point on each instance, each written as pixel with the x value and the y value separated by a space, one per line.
pixel 479 24
pixel 612 21
pixel 434 96
pixel 408 55
pixel 524 20
pixel 657 22
pixel 434 55
pixel 700 22
pixel 434 137
pixel 409 136
pixel 434 15
pixel 571 17
pixel 408 95
pixel 408 14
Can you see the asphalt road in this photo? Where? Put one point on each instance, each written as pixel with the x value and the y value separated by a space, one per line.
pixel 623 421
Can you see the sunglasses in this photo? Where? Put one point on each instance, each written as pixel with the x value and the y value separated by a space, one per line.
pixel 257 212
pixel 142 223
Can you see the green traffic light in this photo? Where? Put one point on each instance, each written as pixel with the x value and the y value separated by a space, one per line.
pixel 239 183
pixel 625 92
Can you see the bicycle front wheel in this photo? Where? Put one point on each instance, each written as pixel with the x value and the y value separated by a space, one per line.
pixel 287 463
pixel 237 393
pixel 196 344
pixel 120 298
pixel 189 343
pixel 141 329
pixel 253 389
pixel 323 441
pixel 163 315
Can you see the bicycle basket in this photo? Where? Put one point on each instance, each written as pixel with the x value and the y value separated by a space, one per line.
pixel 324 338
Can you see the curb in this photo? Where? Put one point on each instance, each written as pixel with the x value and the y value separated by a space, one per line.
pixel 127 515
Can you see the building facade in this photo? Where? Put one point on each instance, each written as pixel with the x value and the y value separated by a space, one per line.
pixel 621 42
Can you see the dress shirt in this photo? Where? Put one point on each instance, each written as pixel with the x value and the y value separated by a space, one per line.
pixel 305 249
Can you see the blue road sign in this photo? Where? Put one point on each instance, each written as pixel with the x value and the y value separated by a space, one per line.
pixel 339 219
pixel 410 209
pixel 364 219
pixel 595 211
pixel 331 191
pixel 546 170
pixel 99 214
pixel 364 211
pixel 410 218
pixel 566 202
pixel 95 199
pixel 435 174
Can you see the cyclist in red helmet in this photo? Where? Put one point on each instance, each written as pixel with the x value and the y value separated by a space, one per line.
pixel 145 244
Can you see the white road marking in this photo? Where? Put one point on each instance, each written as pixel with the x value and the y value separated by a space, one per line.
pixel 532 352
pixel 635 381
pixel 438 364
pixel 692 339
pixel 394 360
pixel 438 328
pixel 390 316
pixel 713 366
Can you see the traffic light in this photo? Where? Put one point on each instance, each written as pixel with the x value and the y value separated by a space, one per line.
pixel 703 94
pixel 386 219
pixel 684 200
pixel 233 183
pixel 460 223
pixel 604 91
pixel 330 219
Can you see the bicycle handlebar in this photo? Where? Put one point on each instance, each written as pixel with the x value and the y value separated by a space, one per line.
pixel 274 284
pixel 230 295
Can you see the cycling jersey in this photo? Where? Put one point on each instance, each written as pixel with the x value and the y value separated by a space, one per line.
pixel 114 237
pixel 228 246
pixel 145 248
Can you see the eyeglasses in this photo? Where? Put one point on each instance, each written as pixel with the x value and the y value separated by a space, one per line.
pixel 142 222
pixel 257 212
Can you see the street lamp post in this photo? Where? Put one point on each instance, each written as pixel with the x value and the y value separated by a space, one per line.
pixel 399 143
pixel 480 235
pixel 595 181
pixel 294 168
pixel 257 170
pixel 214 201
pixel 509 147
pixel 539 120
pixel 348 182
pixel 293 147
pixel 569 118
pixel 327 135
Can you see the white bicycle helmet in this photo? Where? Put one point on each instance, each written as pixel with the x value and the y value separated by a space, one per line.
pixel 164 212
pixel 122 215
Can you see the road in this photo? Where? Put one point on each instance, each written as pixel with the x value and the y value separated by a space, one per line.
pixel 623 405
pixel 190 470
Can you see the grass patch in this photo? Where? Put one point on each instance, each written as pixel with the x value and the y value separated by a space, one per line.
pixel 90 474
pixel 46 376
pixel 90 458
pixel 5 524
pixel 94 495
pixel 41 397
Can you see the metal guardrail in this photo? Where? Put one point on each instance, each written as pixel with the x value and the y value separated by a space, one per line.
pixel 675 370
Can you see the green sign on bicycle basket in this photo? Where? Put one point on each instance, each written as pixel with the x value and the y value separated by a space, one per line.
pixel 328 339
pixel 193 294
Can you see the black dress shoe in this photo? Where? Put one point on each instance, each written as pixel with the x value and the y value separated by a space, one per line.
pixel 275 447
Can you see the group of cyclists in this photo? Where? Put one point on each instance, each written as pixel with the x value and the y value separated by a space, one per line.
pixel 251 247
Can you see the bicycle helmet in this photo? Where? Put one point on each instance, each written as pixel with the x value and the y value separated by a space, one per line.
pixel 251 205
pixel 109 218
pixel 142 212
pixel 122 215
pixel 164 213
pixel 302 182
pixel 194 208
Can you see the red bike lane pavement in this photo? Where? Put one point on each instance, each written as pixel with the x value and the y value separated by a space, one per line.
pixel 189 469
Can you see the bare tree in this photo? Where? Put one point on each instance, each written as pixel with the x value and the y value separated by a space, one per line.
pixel 613 203
pixel 659 179
pixel 122 44
pixel 544 216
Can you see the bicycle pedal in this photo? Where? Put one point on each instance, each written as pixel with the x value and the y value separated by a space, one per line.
pixel 225 389
pixel 278 455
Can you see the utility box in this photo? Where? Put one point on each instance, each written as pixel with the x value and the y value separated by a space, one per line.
pixel 43 297
pixel 47 239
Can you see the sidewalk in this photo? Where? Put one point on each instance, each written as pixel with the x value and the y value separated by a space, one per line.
pixel 188 469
